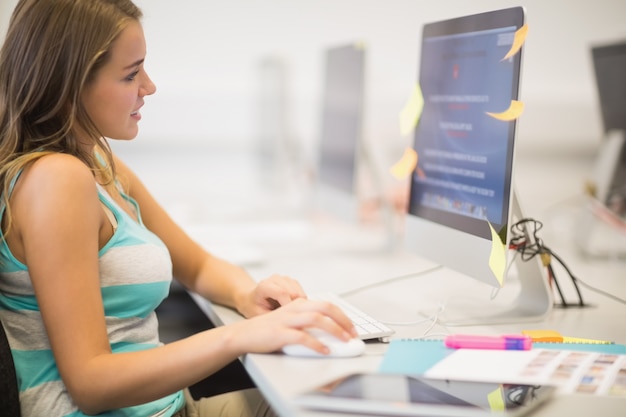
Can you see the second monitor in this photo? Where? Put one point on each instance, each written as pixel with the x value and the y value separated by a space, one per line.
pixel 341 126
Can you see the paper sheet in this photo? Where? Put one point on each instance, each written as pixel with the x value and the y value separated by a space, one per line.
pixel 572 371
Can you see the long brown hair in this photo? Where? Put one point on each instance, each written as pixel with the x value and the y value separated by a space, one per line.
pixel 52 50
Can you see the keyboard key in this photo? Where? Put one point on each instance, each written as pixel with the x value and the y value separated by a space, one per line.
pixel 367 327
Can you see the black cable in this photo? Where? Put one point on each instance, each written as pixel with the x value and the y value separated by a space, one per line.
pixel 556 284
pixel 577 280
pixel 530 249
pixel 519 239
pixel 573 278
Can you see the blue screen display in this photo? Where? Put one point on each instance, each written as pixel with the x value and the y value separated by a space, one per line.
pixel 463 175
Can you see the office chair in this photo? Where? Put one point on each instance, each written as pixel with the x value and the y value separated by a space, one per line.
pixel 9 396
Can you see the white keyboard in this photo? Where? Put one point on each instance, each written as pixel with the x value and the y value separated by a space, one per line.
pixel 367 326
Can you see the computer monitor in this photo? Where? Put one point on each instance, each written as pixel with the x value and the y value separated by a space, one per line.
pixel 609 63
pixel 278 152
pixel 600 224
pixel 340 140
pixel 462 197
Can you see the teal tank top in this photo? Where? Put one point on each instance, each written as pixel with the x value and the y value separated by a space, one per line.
pixel 135 276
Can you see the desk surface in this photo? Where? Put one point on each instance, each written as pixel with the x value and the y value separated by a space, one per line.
pixel 280 377
pixel 402 297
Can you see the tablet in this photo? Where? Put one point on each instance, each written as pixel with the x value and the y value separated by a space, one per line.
pixel 401 395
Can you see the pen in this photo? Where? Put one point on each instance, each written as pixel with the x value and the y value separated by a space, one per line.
pixel 506 342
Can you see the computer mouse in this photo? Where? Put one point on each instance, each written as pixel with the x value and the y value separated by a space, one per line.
pixel 338 348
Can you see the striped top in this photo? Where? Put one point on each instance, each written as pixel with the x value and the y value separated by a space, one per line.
pixel 135 275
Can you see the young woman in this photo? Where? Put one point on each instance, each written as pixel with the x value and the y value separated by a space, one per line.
pixel 87 254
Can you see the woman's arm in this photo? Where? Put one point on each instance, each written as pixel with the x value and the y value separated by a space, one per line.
pixel 57 221
pixel 211 277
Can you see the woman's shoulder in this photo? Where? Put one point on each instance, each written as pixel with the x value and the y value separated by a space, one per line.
pixel 59 160
pixel 57 171
pixel 52 186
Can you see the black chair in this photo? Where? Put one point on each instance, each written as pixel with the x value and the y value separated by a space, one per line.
pixel 179 316
pixel 9 395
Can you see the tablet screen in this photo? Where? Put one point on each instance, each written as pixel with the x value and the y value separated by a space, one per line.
pixel 401 395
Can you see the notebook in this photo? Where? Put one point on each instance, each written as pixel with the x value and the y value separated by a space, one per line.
pixel 589 368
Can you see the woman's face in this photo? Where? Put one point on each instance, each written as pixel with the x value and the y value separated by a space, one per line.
pixel 115 95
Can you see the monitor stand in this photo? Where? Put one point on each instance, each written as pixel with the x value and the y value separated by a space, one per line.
pixel 532 303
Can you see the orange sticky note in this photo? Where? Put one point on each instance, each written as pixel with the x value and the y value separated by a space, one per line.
pixel 518 41
pixel 515 110
pixel 543 335
pixel 405 165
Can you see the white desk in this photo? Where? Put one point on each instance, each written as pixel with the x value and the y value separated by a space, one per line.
pixel 280 378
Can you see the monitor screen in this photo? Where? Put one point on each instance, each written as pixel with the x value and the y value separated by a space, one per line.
pixel 462 183
pixel 465 156
pixel 340 130
pixel 609 62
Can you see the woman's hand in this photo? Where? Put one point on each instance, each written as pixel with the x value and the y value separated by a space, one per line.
pixel 269 294
pixel 286 325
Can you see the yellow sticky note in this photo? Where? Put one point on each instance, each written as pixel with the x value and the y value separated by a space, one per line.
pixel 405 165
pixel 496 399
pixel 514 111
pixel 497 258
pixel 518 41
pixel 410 114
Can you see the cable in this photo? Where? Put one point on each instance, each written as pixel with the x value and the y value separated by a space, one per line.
pixel 569 272
pixel 434 322
pixel 525 240
pixel 552 279
pixel 390 280
pixel 601 292
pixel 529 248
pixel 433 318
pixel 430 317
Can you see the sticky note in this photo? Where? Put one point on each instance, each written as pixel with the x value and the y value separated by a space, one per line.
pixel 515 110
pixel 497 257
pixel 496 399
pixel 543 335
pixel 518 41
pixel 410 114
pixel 405 165
pixel 554 336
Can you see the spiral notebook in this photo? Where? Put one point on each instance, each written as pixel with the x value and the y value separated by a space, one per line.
pixel 590 368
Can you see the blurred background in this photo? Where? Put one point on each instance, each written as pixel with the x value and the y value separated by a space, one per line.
pixel 206 58
pixel 247 75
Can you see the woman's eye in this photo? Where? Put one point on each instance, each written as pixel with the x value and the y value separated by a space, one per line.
pixel 132 76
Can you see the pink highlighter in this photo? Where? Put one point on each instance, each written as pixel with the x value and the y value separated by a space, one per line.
pixel 505 342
